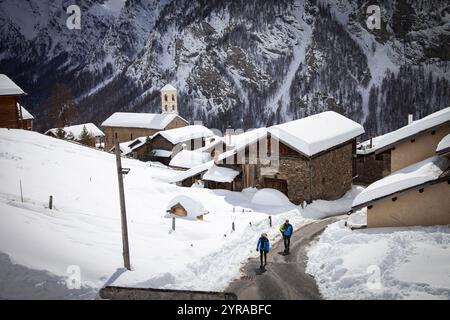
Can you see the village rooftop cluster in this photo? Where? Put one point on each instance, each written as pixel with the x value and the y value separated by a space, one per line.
pixel 317 157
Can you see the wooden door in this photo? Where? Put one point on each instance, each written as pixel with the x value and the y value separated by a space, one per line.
pixel 279 184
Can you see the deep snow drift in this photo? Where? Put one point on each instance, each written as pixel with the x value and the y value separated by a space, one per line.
pixel 381 263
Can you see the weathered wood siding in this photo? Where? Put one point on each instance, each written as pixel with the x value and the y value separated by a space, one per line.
pixel 9 116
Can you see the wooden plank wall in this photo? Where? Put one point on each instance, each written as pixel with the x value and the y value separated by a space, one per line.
pixel 9 117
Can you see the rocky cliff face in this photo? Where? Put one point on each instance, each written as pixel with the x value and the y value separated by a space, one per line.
pixel 240 63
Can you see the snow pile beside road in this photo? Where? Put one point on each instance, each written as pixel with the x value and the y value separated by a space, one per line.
pixel 270 197
pixel 382 263
pixel 320 209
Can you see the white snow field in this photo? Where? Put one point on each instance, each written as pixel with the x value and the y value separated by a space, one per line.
pixel 381 263
pixel 40 247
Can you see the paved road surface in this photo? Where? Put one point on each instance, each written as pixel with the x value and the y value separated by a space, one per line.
pixel 284 276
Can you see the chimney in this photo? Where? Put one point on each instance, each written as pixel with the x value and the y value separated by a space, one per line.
pixel 371 143
pixel 410 118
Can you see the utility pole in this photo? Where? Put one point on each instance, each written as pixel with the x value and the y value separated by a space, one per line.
pixel 123 211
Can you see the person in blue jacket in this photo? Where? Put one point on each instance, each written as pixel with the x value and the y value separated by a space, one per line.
pixel 286 230
pixel 263 247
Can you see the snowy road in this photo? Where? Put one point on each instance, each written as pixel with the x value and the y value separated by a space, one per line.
pixel 285 276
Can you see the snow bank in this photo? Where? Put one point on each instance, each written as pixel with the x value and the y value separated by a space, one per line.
pixel 444 144
pixel 320 209
pixel 411 176
pixel 270 197
pixel 316 133
pixel 384 263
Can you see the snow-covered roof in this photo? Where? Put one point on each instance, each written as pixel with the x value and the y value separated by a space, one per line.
pixel 444 145
pixel 191 205
pixel 168 87
pixel 186 133
pixel 156 121
pixel 77 129
pixel 161 153
pixel 189 158
pixel 8 87
pixel 211 173
pixel 191 172
pixel 220 174
pixel 412 176
pixel 317 133
pixel 391 138
pixel 129 146
pixel 25 114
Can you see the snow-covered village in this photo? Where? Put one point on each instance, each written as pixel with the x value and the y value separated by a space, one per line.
pixel 224 155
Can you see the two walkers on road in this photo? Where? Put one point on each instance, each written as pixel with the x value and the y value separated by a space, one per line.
pixel 263 245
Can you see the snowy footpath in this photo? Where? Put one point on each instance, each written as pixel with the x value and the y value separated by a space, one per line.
pixel 382 263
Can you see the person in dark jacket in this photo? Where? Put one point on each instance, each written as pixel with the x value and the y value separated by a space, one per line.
pixel 263 247
pixel 286 230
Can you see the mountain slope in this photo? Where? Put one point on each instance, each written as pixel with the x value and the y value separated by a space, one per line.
pixel 239 63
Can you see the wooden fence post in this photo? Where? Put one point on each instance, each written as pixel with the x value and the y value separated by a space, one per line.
pixel 173 223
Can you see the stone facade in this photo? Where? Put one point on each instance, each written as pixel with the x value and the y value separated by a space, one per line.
pixel 129 133
pixel 371 167
pixel 327 176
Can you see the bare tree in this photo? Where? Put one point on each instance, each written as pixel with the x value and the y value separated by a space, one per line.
pixel 62 107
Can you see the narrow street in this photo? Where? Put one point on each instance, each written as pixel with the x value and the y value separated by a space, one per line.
pixel 284 277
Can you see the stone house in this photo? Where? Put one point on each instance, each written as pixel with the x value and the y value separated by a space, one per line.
pixel 307 159
pixel 11 115
pixel 417 195
pixel 166 144
pixel 382 155
pixel 129 126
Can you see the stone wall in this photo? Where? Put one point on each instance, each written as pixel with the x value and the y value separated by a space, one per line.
pixel 327 176
pixel 371 167
pixel 128 134
pixel 124 134
pixel 332 173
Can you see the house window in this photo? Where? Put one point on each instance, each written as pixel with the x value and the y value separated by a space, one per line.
pixel 369 207
pixel 173 108
pixel 421 190
pixel 173 97
pixel 165 107
pixel 413 140
pixel 394 199
pixel 131 136
pixel 433 133
pixel 165 97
